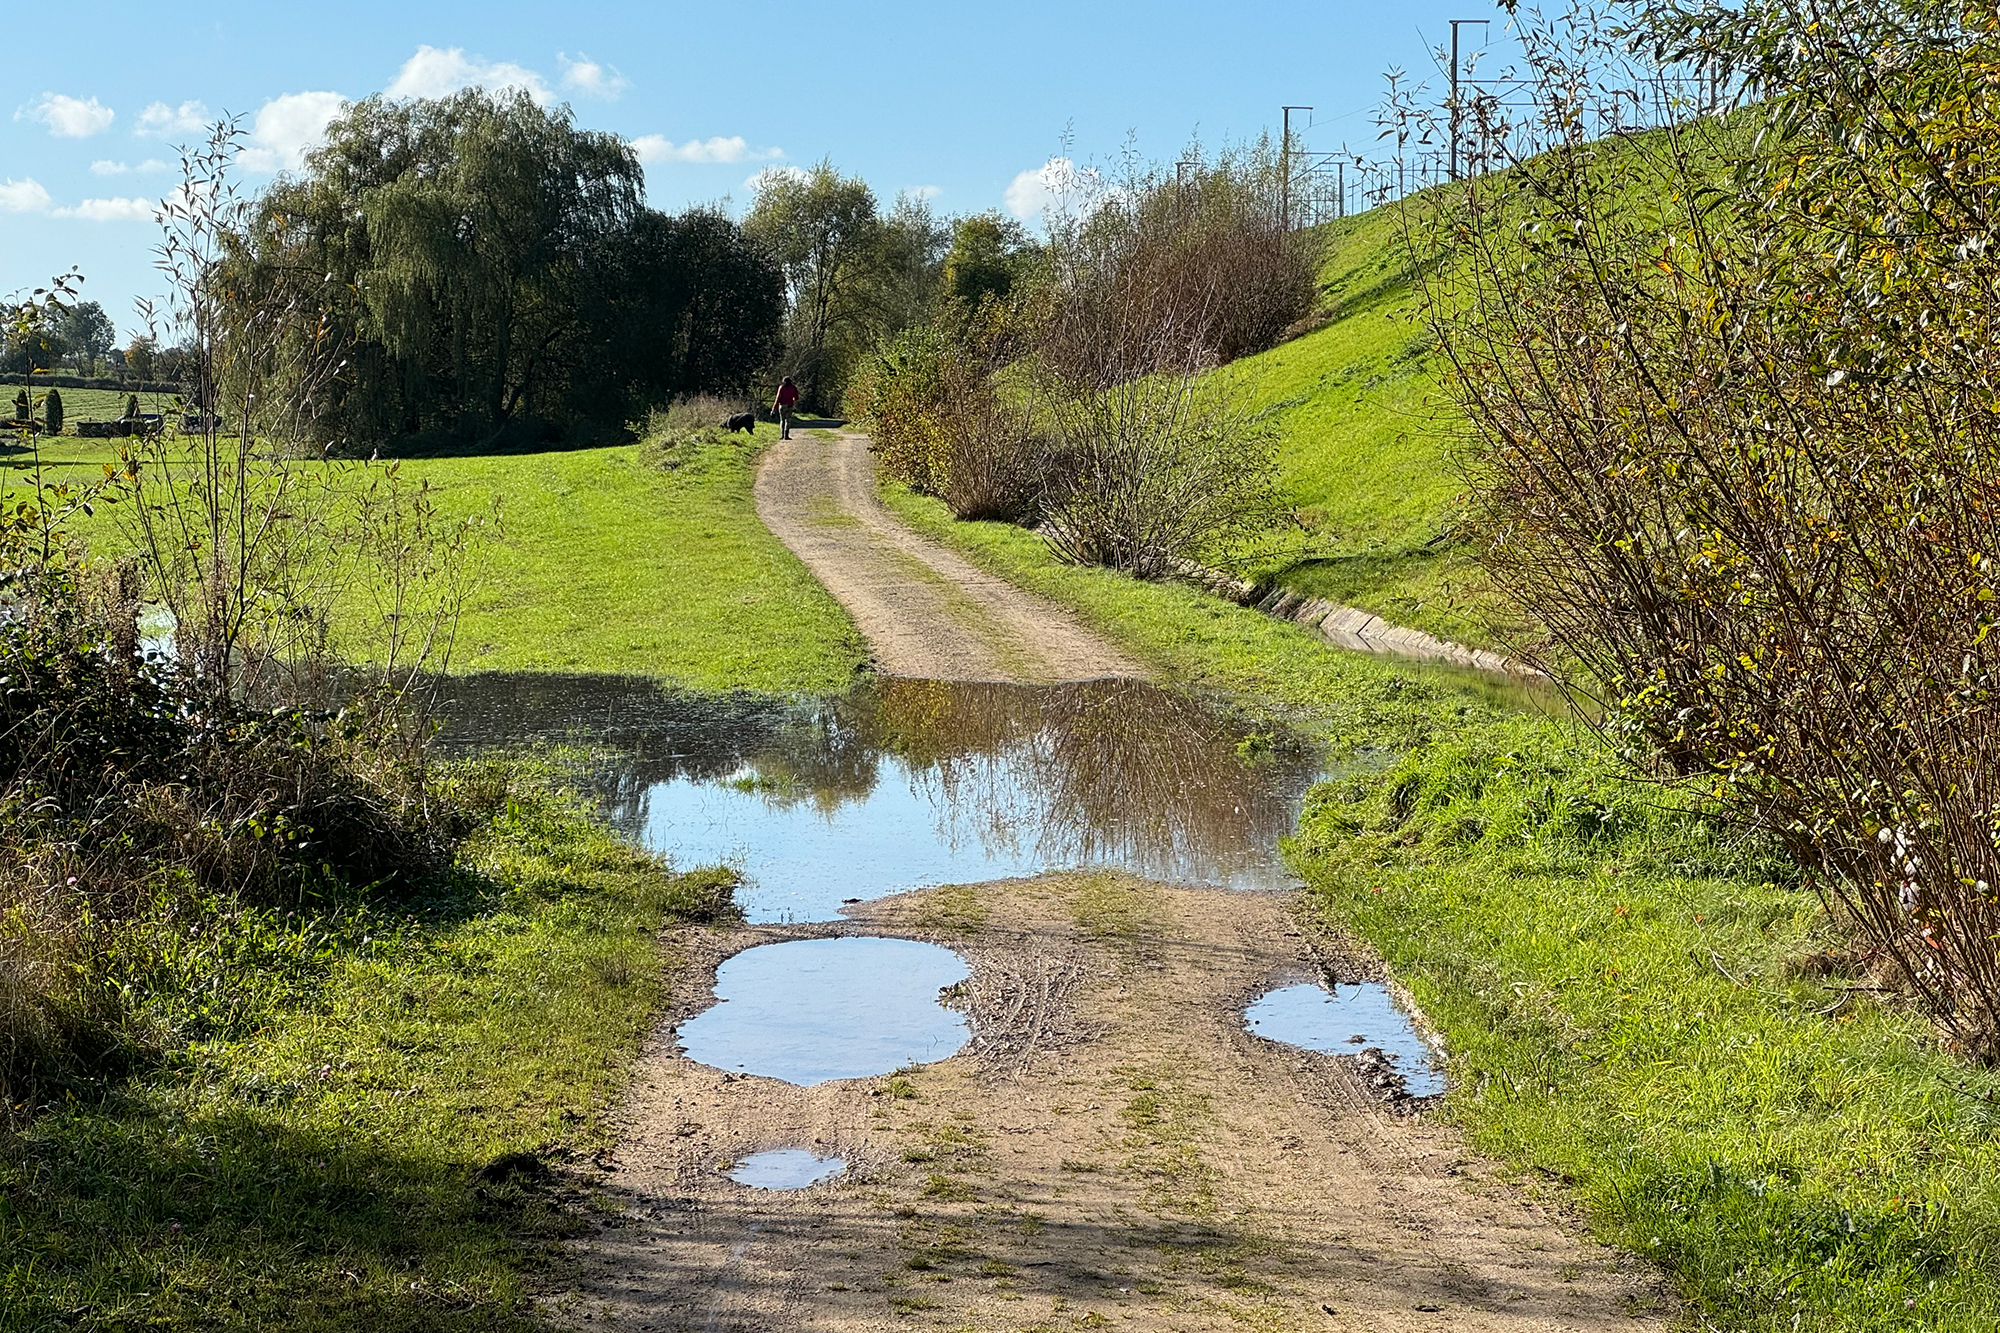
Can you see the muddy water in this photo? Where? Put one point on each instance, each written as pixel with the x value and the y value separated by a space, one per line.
pixel 910 783
pixel 1348 1019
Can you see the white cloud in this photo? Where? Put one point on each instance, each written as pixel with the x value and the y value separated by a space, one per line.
pixel 112 210
pixel 160 120
pixel 26 196
pixel 286 128
pixel 769 175
pixel 658 148
pixel 586 76
pixel 105 167
pixel 1057 184
pixel 69 117
pixel 924 192
pixel 432 72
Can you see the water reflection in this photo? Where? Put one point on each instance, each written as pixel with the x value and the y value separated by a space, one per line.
pixel 810 1011
pixel 785 1169
pixel 907 783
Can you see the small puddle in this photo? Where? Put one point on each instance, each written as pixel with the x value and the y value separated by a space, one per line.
pixel 905 784
pixel 809 1011
pixel 1348 1019
pixel 785 1169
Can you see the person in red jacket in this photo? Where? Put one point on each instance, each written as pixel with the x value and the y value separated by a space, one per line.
pixel 788 396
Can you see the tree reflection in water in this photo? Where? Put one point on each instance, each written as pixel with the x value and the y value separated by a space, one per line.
pixel 907 782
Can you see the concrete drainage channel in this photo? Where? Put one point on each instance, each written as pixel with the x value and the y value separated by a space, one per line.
pixel 1354 629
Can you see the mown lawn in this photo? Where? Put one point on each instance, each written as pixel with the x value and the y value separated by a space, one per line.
pixel 371 1134
pixel 606 563
pixel 609 564
pixel 80 404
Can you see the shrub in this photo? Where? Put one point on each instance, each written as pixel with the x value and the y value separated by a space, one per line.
pixel 940 424
pixel 52 412
pixel 130 796
pixel 1166 270
pixel 131 406
pixel 1153 474
pixel 1741 451
pixel 21 406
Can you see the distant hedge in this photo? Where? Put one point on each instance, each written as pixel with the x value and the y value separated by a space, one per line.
pixel 95 382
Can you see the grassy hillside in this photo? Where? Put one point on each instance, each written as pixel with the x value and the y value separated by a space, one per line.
pixel 1363 454
pixel 609 563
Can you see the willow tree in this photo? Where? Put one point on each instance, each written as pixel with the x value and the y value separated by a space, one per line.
pixel 494 273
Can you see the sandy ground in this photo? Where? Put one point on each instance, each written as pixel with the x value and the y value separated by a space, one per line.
pixel 924 610
pixel 1111 1149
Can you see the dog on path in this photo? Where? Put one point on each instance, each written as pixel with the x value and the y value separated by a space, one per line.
pixel 743 421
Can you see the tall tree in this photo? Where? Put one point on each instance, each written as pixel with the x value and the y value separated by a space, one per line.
pixel 823 230
pixel 987 255
pixel 87 333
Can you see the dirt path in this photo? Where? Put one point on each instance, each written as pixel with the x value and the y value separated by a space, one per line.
pixel 925 611
pixel 1112 1149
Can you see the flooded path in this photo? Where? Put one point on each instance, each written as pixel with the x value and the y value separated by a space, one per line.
pixel 908 783
pixel 1028 1027
pixel 925 611
pixel 1112 1148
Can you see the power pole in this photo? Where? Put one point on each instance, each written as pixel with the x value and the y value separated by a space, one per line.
pixel 1454 88
pixel 1285 165
pixel 1340 170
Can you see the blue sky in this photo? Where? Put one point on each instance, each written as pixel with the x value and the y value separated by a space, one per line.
pixel 956 100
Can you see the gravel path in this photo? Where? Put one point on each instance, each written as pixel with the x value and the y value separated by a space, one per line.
pixel 924 610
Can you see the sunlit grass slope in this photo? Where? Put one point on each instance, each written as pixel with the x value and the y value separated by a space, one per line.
pixel 1363 456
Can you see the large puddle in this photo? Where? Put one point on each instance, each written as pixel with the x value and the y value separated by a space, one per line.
pixel 906 784
pixel 1349 1019
pixel 809 1011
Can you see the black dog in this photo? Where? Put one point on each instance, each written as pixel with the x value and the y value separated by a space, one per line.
pixel 745 421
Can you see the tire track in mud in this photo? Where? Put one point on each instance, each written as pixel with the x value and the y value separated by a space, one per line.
pixel 1111 1147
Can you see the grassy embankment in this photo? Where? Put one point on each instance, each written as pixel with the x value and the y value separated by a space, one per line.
pixel 363 1134
pixel 1645 1012
pixel 1361 458
pixel 608 562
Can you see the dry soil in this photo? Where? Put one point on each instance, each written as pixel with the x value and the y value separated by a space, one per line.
pixel 924 610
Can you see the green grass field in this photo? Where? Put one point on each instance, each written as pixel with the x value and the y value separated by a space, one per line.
pixel 609 564
pixel 606 563
pixel 81 404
